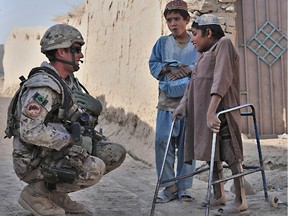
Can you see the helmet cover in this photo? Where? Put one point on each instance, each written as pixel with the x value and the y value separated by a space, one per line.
pixel 60 36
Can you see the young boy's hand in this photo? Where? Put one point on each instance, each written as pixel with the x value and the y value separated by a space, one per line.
pixel 179 112
pixel 179 72
pixel 213 122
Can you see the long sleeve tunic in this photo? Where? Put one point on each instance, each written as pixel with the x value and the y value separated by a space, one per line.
pixel 217 72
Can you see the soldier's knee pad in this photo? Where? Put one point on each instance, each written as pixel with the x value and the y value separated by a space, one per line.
pixel 113 154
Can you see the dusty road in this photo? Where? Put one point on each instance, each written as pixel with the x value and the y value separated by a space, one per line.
pixel 129 190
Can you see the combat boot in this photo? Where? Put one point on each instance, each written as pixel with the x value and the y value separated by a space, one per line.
pixel 71 207
pixel 35 199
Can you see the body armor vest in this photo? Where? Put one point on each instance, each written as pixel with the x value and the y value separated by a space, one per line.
pixel 61 111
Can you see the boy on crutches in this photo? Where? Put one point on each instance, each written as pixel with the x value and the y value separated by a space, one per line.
pixel 214 86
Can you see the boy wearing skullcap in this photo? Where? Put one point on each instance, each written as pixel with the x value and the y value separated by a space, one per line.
pixel 214 86
pixel 171 63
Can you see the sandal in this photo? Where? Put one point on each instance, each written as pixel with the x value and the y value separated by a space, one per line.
pixel 166 196
pixel 185 195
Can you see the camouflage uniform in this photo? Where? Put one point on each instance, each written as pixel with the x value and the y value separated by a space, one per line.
pixel 37 142
pixel 49 154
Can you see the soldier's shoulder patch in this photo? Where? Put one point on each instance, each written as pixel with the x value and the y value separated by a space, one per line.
pixel 40 99
pixel 33 109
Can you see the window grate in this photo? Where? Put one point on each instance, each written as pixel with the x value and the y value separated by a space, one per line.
pixel 268 43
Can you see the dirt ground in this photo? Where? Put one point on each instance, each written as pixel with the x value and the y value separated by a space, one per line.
pixel 129 190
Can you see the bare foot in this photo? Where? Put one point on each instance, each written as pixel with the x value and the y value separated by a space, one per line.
pixel 216 202
pixel 240 205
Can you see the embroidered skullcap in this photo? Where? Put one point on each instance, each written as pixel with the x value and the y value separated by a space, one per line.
pixel 207 19
pixel 177 4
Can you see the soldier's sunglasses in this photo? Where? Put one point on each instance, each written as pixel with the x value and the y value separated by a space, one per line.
pixel 74 49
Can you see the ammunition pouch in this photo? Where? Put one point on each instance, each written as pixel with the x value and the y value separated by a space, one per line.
pixel 97 137
pixel 53 175
pixel 84 127
pixel 76 132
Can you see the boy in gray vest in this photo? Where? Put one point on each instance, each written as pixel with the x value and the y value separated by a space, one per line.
pixel 171 63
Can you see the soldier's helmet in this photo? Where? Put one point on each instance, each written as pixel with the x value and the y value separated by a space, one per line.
pixel 60 36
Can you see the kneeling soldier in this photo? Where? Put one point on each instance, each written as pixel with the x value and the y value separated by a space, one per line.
pixel 52 118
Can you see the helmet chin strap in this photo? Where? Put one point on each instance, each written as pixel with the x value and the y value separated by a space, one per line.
pixel 73 63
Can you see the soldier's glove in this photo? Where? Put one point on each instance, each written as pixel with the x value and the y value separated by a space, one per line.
pixel 88 102
pixel 86 143
pixel 179 72
pixel 179 112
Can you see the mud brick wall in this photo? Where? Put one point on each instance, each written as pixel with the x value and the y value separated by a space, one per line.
pixel 224 9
